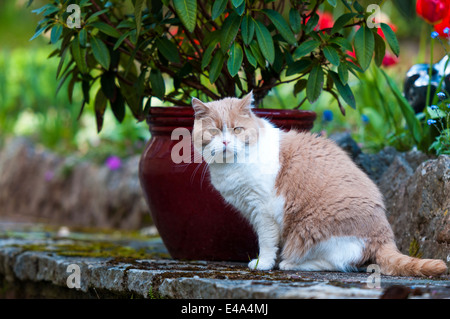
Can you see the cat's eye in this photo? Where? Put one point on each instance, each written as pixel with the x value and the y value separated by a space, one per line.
pixel 238 130
pixel 214 131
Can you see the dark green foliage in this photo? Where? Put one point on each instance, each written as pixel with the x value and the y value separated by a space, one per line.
pixel 209 49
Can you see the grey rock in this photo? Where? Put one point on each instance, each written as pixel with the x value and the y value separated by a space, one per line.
pixel 347 143
pixel 418 205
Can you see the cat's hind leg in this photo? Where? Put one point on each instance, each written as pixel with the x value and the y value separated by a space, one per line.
pixel 333 254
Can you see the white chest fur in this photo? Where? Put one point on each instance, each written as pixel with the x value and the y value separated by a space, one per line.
pixel 249 185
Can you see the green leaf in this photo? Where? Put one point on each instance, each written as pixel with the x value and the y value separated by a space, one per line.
pixel 207 55
pixel 295 20
pixel 300 86
pixel 108 83
pixel 95 15
pixel 265 41
pixel 101 53
pixel 343 73
pixel 218 8
pixel 118 106
pixel 83 38
pixel 331 54
pixel 344 90
pixel 342 21
pixel 106 29
pixel 168 49
pixel 298 67
pixel 358 7
pixel 411 120
pixel 390 38
pixel 56 33
pixel 187 12
pixel 247 29
pixel 240 9
pixel 342 42
pixel 257 54
pixel 315 83
pixel 237 3
pixel 122 38
pixel 157 83
pixel 85 87
pixel 250 57
pixel 306 48
pixel 281 25
pixel 132 97
pixel 41 9
pixel 216 66
pixel 332 3
pixel 78 55
pixel 138 6
pixel 380 49
pixel 234 62
pixel 312 23
pixel 229 31
pixel 100 108
pixel 364 46
pixel 38 32
pixel 436 114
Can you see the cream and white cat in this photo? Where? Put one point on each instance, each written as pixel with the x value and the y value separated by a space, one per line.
pixel 305 198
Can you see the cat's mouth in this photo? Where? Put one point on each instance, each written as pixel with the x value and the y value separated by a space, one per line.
pixel 226 154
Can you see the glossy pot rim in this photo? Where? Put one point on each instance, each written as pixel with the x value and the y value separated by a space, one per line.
pixel 162 120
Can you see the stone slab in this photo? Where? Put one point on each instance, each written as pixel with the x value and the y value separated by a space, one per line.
pixel 37 260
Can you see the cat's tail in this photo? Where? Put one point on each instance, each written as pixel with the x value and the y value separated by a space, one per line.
pixel 393 262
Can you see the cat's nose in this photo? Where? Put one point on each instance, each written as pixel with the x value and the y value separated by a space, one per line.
pixel 225 142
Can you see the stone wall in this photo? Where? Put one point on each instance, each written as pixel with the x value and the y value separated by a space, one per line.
pixel 36 185
pixel 418 205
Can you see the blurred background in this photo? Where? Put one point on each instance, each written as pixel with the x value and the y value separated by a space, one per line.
pixel 32 103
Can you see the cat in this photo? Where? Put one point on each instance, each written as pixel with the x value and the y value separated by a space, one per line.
pixel 311 207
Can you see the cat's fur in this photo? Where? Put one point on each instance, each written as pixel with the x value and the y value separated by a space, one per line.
pixel 302 194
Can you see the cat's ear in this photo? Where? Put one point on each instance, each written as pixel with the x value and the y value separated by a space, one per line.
pixel 247 102
pixel 200 108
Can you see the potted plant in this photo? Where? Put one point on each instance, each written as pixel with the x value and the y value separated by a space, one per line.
pixel 174 50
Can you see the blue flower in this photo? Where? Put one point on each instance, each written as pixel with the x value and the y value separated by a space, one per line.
pixel 327 115
pixel 364 118
pixel 434 107
pixel 441 95
pixel 446 30
pixel 429 122
pixel 434 34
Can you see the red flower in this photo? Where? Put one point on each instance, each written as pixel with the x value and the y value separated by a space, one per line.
pixel 440 27
pixel 432 11
pixel 325 20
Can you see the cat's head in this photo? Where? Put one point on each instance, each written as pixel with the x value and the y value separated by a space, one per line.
pixel 225 130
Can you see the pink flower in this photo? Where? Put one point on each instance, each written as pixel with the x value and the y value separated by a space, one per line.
pixel 49 176
pixel 389 59
pixel 113 163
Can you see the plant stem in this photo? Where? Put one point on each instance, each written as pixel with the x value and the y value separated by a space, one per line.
pixel 430 69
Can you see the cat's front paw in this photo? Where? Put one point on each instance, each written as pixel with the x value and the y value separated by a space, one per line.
pixel 261 264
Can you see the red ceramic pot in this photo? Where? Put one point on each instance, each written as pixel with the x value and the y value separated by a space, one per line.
pixel 190 215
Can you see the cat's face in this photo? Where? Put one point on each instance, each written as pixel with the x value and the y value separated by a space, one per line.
pixel 224 131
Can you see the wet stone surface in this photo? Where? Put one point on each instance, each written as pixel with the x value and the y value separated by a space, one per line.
pixel 38 262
